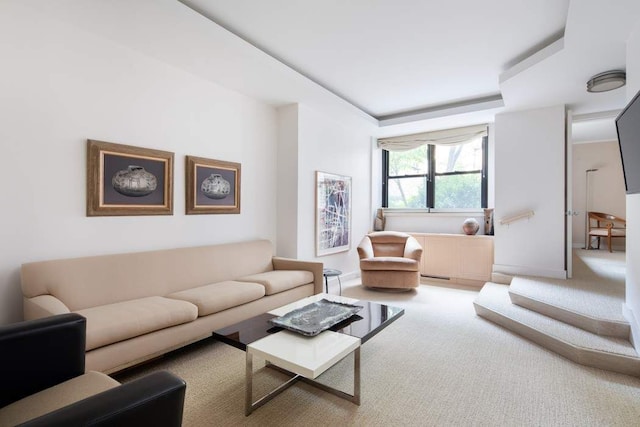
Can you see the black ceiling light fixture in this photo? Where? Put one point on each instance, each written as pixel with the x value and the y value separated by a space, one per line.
pixel 606 81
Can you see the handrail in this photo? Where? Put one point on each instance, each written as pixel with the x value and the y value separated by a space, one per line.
pixel 513 218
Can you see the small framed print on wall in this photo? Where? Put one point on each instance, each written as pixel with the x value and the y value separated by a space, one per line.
pixel 127 180
pixel 213 186
pixel 333 213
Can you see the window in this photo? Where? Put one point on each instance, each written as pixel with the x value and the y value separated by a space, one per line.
pixel 436 176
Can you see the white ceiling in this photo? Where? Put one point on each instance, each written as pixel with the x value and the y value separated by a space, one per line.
pixel 408 62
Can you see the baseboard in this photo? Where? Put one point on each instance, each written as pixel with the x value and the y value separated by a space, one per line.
pixel 453 281
pixel 616 247
pixel 627 312
pixel 351 275
pixel 345 276
pixel 503 279
pixel 519 270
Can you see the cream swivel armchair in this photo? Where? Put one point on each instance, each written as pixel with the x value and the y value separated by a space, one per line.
pixel 390 260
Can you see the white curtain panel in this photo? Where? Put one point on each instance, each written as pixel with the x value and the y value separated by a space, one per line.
pixel 438 137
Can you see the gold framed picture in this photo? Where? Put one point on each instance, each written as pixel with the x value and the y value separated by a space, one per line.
pixel 126 180
pixel 213 186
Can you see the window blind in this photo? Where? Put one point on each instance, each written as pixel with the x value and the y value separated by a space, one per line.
pixel 440 137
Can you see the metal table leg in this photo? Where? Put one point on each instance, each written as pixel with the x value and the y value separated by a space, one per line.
pixel 250 405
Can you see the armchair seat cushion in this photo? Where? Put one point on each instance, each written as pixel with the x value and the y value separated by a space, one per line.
pixel 220 296
pixel 280 280
pixel 389 264
pixel 110 323
pixel 56 397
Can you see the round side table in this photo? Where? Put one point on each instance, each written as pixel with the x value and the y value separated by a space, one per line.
pixel 331 272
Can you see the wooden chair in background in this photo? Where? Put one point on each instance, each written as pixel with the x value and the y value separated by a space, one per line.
pixel 605 225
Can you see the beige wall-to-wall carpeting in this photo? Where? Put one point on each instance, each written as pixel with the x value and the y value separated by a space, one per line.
pixel 438 365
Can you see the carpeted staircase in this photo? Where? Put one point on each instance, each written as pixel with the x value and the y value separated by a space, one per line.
pixel 580 319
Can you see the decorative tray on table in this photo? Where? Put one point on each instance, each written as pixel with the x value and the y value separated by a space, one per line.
pixel 316 317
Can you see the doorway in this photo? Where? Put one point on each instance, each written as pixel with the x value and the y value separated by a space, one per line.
pixel 597 180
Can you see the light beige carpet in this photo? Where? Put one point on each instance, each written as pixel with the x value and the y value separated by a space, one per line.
pixel 438 365
pixel 596 289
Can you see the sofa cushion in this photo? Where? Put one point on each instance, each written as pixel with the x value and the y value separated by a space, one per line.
pixel 111 323
pixel 220 296
pixel 280 280
pixel 56 397
pixel 389 263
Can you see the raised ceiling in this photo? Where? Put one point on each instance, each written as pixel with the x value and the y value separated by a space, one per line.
pixel 404 61
pixel 389 57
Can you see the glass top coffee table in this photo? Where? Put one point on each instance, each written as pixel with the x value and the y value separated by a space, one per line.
pixel 304 357
pixel 365 324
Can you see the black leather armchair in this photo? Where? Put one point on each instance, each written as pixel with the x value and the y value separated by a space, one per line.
pixel 36 355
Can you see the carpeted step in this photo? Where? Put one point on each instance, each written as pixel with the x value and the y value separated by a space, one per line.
pixel 614 354
pixel 583 305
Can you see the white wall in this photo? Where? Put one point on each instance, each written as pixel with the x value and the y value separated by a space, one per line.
pixel 529 175
pixel 328 146
pixel 320 143
pixel 606 186
pixel 63 83
pixel 287 184
pixel 61 86
pixel 632 300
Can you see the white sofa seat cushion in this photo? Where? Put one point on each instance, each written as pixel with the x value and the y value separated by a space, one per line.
pixel 220 296
pixel 107 324
pixel 280 280
pixel 56 397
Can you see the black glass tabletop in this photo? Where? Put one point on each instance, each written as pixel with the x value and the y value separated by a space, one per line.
pixel 368 321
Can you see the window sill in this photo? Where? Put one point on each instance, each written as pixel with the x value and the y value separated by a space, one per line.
pixel 430 221
pixel 388 212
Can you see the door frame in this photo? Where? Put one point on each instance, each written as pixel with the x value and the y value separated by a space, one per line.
pixel 568 182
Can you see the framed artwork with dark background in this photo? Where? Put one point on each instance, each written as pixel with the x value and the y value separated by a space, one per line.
pixel 212 186
pixel 127 180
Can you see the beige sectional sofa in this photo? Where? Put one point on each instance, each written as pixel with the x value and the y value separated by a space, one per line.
pixel 141 305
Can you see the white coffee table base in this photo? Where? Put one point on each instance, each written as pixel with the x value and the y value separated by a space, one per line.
pixel 305 358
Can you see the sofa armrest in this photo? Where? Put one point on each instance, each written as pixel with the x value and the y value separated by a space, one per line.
pixel 38 354
pixel 154 400
pixel 280 263
pixel 412 249
pixel 43 306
